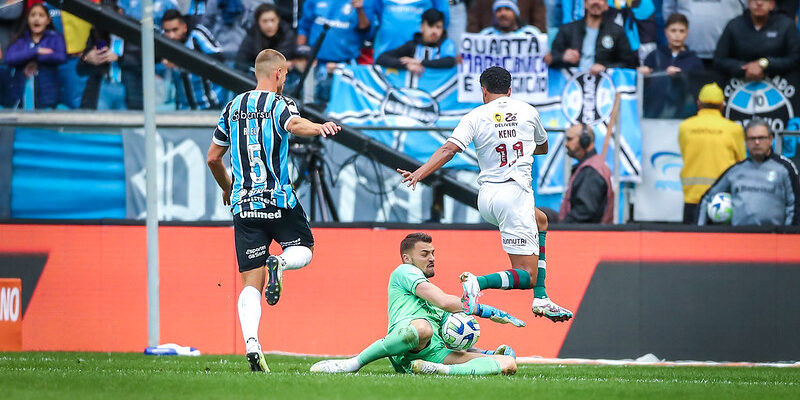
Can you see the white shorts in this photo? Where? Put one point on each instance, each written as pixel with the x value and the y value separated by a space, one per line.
pixel 510 207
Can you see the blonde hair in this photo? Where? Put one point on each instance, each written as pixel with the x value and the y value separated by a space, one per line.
pixel 267 61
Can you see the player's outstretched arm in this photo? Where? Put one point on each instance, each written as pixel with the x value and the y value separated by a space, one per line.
pixel 450 303
pixel 436 296
pixel 302 127
pixel 437 160
pixel 214 160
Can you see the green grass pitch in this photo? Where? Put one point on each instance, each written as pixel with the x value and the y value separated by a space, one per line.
pixel 120 376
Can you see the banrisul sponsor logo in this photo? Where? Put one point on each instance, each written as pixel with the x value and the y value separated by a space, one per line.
pixel 237 115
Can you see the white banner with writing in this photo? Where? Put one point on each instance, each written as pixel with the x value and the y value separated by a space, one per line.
pixel 521 54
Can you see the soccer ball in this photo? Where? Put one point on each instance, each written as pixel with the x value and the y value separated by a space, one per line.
pixel 460 331
pixel 720 209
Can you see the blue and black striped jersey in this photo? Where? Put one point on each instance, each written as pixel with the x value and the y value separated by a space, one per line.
pixel 254 125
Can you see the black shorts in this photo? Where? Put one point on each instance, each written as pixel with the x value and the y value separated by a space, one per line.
pixel 255 230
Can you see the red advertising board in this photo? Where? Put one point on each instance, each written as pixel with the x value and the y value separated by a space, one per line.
pixel 92 292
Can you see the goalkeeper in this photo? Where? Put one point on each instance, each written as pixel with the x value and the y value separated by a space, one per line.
pixel 416 310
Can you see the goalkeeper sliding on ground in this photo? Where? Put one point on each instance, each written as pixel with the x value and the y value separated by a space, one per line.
pixel 416 309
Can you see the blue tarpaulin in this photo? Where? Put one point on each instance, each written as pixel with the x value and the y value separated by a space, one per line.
pixel 67 175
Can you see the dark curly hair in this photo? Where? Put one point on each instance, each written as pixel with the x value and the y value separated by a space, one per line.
pixel 496 80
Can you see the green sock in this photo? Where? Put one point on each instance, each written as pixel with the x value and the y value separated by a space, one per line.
pixel 397 342
pixel 539 291
pixel 477 366
pixel 509 279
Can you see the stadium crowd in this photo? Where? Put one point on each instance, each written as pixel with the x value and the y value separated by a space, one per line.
pixel 76 65
pixel 52 59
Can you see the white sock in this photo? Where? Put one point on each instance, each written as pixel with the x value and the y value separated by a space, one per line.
pixel 296 257
pixel 352 364
pixel 250 315
pixel 541 264
pixel 442 368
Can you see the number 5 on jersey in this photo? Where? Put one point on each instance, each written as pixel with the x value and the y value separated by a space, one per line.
pixel 258 170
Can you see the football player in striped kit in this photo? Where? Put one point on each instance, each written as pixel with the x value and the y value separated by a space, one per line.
pixel 256 125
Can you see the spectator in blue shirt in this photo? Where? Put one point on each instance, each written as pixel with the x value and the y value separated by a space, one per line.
pixel 430 47
pixel 36 52
pixel 350 23
pixel 399 18
pixel 191 91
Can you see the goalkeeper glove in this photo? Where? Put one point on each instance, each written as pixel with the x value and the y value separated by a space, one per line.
pixel 494 314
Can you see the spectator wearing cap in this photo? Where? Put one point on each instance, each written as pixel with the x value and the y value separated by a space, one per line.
pixel 764 187
pixel 507 20
pixel 758 43
pixel 482 14
pixel 593 43
pixel 710 143
pixel 430 47
pixel 398 21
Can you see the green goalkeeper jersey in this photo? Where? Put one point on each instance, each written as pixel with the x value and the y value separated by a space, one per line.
pixel 404 305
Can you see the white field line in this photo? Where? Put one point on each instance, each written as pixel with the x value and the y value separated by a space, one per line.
pixel 586 361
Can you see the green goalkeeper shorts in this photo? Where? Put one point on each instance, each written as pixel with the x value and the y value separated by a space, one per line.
pixel 436 351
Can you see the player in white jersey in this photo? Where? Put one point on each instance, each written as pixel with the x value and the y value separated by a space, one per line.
pixel 507 133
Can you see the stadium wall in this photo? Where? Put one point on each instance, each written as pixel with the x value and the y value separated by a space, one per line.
pixel 679 295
